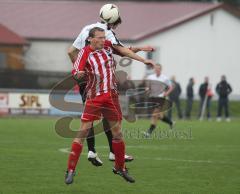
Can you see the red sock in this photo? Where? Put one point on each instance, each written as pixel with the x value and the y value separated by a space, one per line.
pixel 74 155
pixel 119 151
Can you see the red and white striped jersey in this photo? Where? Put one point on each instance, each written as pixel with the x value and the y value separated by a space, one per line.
pixel 99 66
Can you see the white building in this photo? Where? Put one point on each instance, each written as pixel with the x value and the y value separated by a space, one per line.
pixel 191 39
pixel 208 45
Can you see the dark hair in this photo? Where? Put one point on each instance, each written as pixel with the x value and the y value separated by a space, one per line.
pixel 93 30
pixel 119 21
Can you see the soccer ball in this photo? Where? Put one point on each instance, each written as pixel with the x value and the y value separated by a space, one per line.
pixel 109 13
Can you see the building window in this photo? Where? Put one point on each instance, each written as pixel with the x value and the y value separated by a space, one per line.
pixel 3 60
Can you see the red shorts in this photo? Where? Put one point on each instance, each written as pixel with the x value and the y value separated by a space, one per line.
pixel 105 105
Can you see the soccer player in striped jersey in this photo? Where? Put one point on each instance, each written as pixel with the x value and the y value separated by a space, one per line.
pixel 95 62
pixel 80 42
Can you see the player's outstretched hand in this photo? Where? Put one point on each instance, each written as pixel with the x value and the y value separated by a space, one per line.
pixel 147 49
pixel 150 63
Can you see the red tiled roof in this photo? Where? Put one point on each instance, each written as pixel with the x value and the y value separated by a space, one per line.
pixel 65 19
pixel 9 37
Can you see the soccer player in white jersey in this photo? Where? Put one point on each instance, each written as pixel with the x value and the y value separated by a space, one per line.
pixel 80 42
pixel 156 82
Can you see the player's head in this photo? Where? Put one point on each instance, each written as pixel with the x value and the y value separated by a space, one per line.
pixel 158 69
pixel 109 14
pixel 97 38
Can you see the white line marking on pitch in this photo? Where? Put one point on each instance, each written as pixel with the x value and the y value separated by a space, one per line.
pixel 67 150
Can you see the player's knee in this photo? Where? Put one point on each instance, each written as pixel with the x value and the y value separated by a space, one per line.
pixel 84 130
pixel 78 140
pixel 117 135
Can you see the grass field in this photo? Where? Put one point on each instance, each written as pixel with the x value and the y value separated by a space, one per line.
pixel 204 157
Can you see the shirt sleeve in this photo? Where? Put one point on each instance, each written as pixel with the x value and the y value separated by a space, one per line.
pixel 109 44
pixel 80 41
pixel 149 77
pixel 80 63
pixel 168 82
pixel 111 36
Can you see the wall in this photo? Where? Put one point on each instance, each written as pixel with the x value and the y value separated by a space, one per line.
pixel 199 48
pixel 48 56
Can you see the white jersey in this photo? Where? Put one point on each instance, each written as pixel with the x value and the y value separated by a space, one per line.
pixel 80 42
pixel 158 84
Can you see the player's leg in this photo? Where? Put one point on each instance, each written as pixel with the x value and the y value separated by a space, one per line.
pixel 91 112
pixel 166 119
pixel 76 150
pixel 91 140
pixel 109 135
pixel 92 155
pixel 112 112
pixel 118 145
pixel 154 120
pixel 170 112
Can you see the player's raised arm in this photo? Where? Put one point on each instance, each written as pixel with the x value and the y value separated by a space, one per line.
pixel 78 44
pixel 169 90
pixel 129 53
pixel 73 53
pixel 142 48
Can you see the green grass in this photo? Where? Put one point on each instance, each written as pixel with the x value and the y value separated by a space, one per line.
pixel 208 162
pixel 234 107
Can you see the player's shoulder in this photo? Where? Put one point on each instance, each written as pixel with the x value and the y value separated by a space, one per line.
pixel 165 77
pixel 108 47
pixel 108 43
pixel 85 51
pixel 97 24
pixel 153 75
pixel 88 27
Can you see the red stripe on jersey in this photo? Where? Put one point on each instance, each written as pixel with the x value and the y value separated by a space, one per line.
pixel 92 80
pixel 108 66
pixel 100 70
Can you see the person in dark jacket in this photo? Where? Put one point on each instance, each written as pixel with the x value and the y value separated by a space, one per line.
pixel 223 90
pixel 204 93
pixel 174 97
pixel 190 97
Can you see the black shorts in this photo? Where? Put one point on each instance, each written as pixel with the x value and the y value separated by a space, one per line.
pixel 159 102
